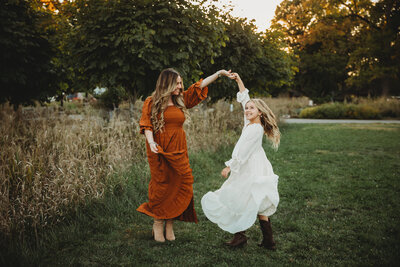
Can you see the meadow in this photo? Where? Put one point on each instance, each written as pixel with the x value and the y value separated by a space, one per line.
pixel 54 159
pixel 339 188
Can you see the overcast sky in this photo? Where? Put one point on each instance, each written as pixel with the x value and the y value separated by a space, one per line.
pixel 262 11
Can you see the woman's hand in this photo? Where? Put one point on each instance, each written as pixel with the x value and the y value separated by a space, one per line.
pixel 153 147
pixel 235 76
pixel 224 73
pixel 150 140
pixel 213 77
pixel 225 172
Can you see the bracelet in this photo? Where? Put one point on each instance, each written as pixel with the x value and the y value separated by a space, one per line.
pixel 151 143
pixel 219 74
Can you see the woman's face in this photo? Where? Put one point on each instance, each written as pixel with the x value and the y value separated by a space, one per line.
pixel 251 111
pixel 178 88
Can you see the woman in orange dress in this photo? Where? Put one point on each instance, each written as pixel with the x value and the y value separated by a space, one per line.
pixel 171 185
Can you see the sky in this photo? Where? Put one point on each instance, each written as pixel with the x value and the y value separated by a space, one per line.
pixel 262 11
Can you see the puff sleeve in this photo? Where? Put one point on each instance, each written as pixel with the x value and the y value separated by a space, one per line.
pixel 145 120
pixel 194 94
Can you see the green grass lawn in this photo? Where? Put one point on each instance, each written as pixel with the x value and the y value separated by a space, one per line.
pixel 340 200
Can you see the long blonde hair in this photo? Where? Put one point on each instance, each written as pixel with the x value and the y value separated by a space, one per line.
pixel 166 84
pixel 268 121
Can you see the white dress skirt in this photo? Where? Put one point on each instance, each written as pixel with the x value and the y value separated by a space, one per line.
pixel 252 186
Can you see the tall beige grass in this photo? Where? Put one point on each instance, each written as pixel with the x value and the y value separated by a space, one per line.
pixel 283 106
pixel 51 162
pixel 387 107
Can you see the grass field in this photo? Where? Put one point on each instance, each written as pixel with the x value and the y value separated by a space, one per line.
pixel 340 200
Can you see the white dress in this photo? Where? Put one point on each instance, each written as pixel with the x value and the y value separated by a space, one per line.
pixel 252 186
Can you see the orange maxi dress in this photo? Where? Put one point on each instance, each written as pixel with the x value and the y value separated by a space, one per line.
pixel 171 185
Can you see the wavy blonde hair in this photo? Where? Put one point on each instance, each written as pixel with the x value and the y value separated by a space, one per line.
pixel 268 121
pixel 166 84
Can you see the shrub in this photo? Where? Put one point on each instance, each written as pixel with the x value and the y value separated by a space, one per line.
pixel 388 107
pixel 341 111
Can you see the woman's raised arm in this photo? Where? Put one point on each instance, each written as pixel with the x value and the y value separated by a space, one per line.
pixel 213 77
pixel 236 77
pixel 242 96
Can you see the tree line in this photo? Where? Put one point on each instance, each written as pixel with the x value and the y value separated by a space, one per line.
pixel 342 47
pixel 323 49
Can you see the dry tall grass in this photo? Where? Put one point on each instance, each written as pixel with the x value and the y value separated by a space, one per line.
pixel 51 162
pixel 287 106
pixel 387 107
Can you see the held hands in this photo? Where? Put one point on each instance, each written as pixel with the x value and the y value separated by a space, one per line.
pixel 235 76
pixel 224 73
pixel 225 172
pixel 232 75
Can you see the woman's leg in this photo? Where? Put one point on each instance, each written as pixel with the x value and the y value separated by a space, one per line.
pixel 158 230
pixel 169 230
pixel 266 229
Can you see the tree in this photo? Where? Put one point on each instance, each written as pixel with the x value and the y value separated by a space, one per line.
pixel 27 71
pixel 375 61
pixel 318 34
pixel 126 43
pixel 343 47
pixel 257 57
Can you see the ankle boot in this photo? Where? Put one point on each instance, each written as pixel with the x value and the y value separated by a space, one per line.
pixel 268 240
pixel 169 230
pixel 239 240
pixel 158 230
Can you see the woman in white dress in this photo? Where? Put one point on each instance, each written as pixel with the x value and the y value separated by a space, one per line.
pixel 251 190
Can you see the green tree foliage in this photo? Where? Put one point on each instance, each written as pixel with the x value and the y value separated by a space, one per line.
pixel 257 57
pixel 375 61
pixel 27 71
pixel 126 43
pixel 343 47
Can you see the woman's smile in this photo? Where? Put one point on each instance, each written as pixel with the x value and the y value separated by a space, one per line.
pixel 251 111
pixel 179 86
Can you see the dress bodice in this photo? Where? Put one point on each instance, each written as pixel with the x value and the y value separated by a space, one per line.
pixel 173 117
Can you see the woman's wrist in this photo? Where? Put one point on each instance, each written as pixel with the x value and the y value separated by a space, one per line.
pixel 152 143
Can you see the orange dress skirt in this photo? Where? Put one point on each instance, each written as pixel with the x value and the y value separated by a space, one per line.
pixel 171 185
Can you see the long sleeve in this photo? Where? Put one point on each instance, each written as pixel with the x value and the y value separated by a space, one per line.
pixel 250 140
pixel 243 98
pixel 145 120
pixel 194 94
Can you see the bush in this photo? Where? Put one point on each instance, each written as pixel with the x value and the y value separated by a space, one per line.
pixel 341 111
pixel 388 107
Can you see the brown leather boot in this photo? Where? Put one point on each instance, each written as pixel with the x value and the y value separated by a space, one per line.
pixel 268 240
pixel 239 240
